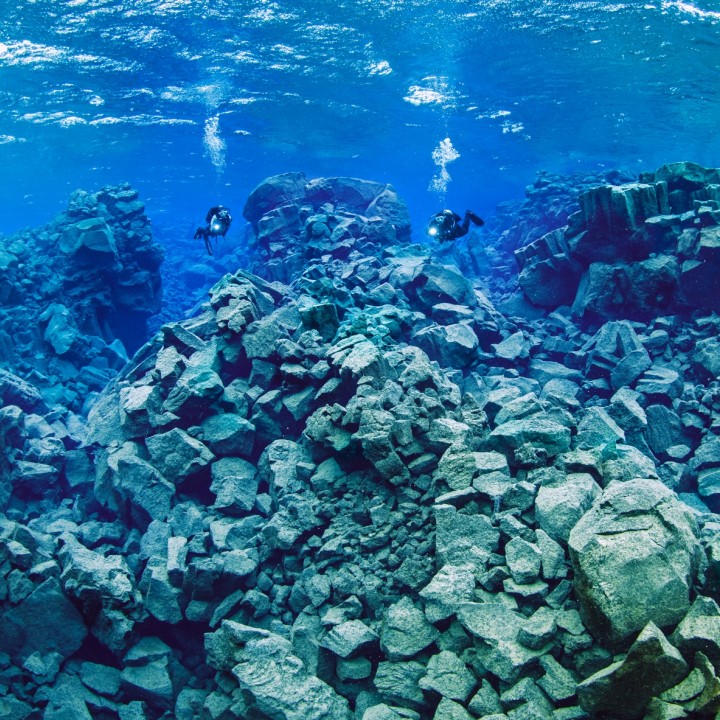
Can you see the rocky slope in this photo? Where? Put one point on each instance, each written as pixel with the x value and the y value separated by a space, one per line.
pixel 351 488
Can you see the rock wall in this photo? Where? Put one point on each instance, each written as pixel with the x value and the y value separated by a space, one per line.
pixel 633 250
pixel 77 293
pixel 297 220
pixel 370 496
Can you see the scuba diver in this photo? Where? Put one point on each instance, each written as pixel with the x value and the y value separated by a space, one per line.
pixel 447 225
pixel 218 221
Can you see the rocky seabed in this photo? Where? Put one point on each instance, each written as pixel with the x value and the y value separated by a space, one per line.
pixel 355 485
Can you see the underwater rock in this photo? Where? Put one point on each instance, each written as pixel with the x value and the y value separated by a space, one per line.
pixel 636 527
pixel 632 249
pixel 624 688
pixel 90 282
pixel 354 496
pixel 296 219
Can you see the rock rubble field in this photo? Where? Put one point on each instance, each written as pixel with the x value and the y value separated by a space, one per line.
pixel 355 486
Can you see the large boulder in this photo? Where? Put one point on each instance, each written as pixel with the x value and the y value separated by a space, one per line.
pixel 637 529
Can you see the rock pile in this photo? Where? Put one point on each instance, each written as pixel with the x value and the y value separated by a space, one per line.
pixel 633 250
pixel 77 293
pixel 371 495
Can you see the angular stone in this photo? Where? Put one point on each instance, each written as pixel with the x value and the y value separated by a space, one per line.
pixel 558 682
pixel 538 630
pixel 597 428
pixel 349 638
pixel 228 434
pixel 23 627
pixel 523 560
pixel 462 539
pixel 624 688
pixel 450 710
pixel 451 345
pixel 235 485
pixel 279 686
pixel 399 681
pixel 195 391
pixel 635 529
pixel 448 587
pixel 405 631
pixel 559 505
pixel 706 355
pixel 448 675
pixel 552 557
pixel 660 384
pixel 699 630
pixel 540 432
pixel 176 454
pixel 150 682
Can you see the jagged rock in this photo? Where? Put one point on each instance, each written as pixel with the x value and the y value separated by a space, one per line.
pixel 105 589
pixel 549 275
pixel 450 710
pixel 405 631
pixel 698 630
pixel 447 675
pixel 501 652
pixel 451 584
pixel 95 282
pixel 228 434
pixel 637 527
pixel 349 638
pixel 235 485
pixel 523 560
pixel 660 384
pixel 398 682
pixel 485 701
pixel 279 686
pixel 386 712
pixel 562 501
pixel 624 688
pixel 23 627
pixel 706 356
pixel 197 388
pixel 558 682
pixel 539 432
pixel 463 539
pixel 177 455
pixel 451 345
pixel 597 429
pixel 624 254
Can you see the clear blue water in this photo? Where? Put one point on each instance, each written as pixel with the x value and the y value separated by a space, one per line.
pixel 195 102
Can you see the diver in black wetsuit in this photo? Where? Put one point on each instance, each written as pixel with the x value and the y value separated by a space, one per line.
pixel 448 225
pixel 218 221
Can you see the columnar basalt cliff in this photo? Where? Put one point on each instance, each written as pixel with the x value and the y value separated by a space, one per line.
pixel 633 250
pixel 354 489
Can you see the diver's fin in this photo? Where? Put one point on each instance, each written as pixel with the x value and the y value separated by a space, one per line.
pixel 476 219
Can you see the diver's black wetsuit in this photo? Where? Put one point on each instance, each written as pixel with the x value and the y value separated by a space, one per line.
pixel 448 225
pixel 218 221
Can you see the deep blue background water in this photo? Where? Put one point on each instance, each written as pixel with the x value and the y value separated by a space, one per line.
pixel 195 102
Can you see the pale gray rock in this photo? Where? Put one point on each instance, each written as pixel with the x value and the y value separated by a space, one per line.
pixel 637 528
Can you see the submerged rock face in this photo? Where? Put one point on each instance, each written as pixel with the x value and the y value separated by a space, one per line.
pixel 633 249
pixel 76 294
pixel 368 495
pixel 297 220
